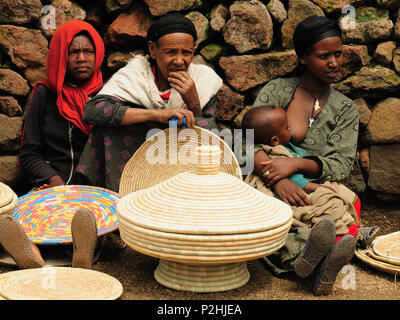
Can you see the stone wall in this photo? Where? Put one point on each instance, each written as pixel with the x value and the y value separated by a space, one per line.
pixel 247 42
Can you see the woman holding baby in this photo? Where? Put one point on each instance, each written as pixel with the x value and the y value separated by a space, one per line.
pixel 324 123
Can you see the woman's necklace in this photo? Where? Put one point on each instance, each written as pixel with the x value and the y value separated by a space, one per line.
pixel 316 106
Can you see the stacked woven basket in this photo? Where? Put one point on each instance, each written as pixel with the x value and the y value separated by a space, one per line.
pixel 8 199
pixel 204 226
pixel 383 254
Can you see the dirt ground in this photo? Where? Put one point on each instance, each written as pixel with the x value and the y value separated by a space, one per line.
pixel 135 271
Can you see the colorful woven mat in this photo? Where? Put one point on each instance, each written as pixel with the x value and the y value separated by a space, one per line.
pixel 46 215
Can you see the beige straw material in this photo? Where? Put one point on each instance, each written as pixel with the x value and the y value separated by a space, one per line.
pixel 201 271
pixel 203 260
pixel 204 279
pixel 217 245
pixel 204 251
pixel 203 218
pixel 8 198
pixel 170 152
pixel 193 276
pixel 387 248
pixel 218 240
pixel 364 255
pixel 9 208
pixel 383 259
pixel 203 204
pixel 59 283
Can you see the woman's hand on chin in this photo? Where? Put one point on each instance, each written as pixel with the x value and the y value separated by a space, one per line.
pixel 184 84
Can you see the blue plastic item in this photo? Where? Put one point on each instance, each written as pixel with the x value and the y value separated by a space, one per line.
pixel 173 123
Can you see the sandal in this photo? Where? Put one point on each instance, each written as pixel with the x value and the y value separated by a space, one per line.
pixel 84 237
pixel 368 234
pixel 17 245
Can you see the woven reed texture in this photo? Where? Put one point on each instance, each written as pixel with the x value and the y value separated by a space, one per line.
pixel 205 219
pixel 59 283
pixel 203 204
pixel 383 259
pixel 8 199
pixel 6 194
pixel 202 279
pixel 201 239
pixel 168 153
pixel 364 255
pixel 387 248
pixel 204 252
pixel 46 215
pixel 209 260
pixel 215 246
pixel 9 208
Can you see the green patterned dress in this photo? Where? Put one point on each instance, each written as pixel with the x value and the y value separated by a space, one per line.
pixel 331 140
pixel 333 135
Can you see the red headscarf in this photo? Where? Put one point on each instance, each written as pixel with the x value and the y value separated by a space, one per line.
pixel 71 100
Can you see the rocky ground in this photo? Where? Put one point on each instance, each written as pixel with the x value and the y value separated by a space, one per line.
pixel 135 271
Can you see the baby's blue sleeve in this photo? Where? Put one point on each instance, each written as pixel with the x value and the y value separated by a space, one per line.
pixel 299 180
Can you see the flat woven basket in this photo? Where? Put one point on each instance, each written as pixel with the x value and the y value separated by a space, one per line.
pixel 8 199
pixel 170 152
pixel 387 248
pixel 46 215
pixel 364 255
pixel 59 283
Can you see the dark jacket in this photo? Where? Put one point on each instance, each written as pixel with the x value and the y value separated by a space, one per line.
pixel 51 144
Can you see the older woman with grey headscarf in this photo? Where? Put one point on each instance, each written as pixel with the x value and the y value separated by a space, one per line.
pixel 146 94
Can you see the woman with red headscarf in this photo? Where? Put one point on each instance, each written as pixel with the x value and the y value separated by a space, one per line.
pixel 54 133
pixel 54 136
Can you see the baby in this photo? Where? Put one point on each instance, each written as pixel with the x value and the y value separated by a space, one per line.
pixel 271 128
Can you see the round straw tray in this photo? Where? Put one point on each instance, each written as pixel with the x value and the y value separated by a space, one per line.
pixel 364 255
pixel 387 248
pixel 46 215
pixel 59 283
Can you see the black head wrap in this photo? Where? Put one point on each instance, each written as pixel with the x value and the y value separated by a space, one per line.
pixel 311 30
pixel 171 23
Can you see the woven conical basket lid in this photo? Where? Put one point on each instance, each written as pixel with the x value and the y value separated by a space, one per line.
pixel 204 202
pixel 169 152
